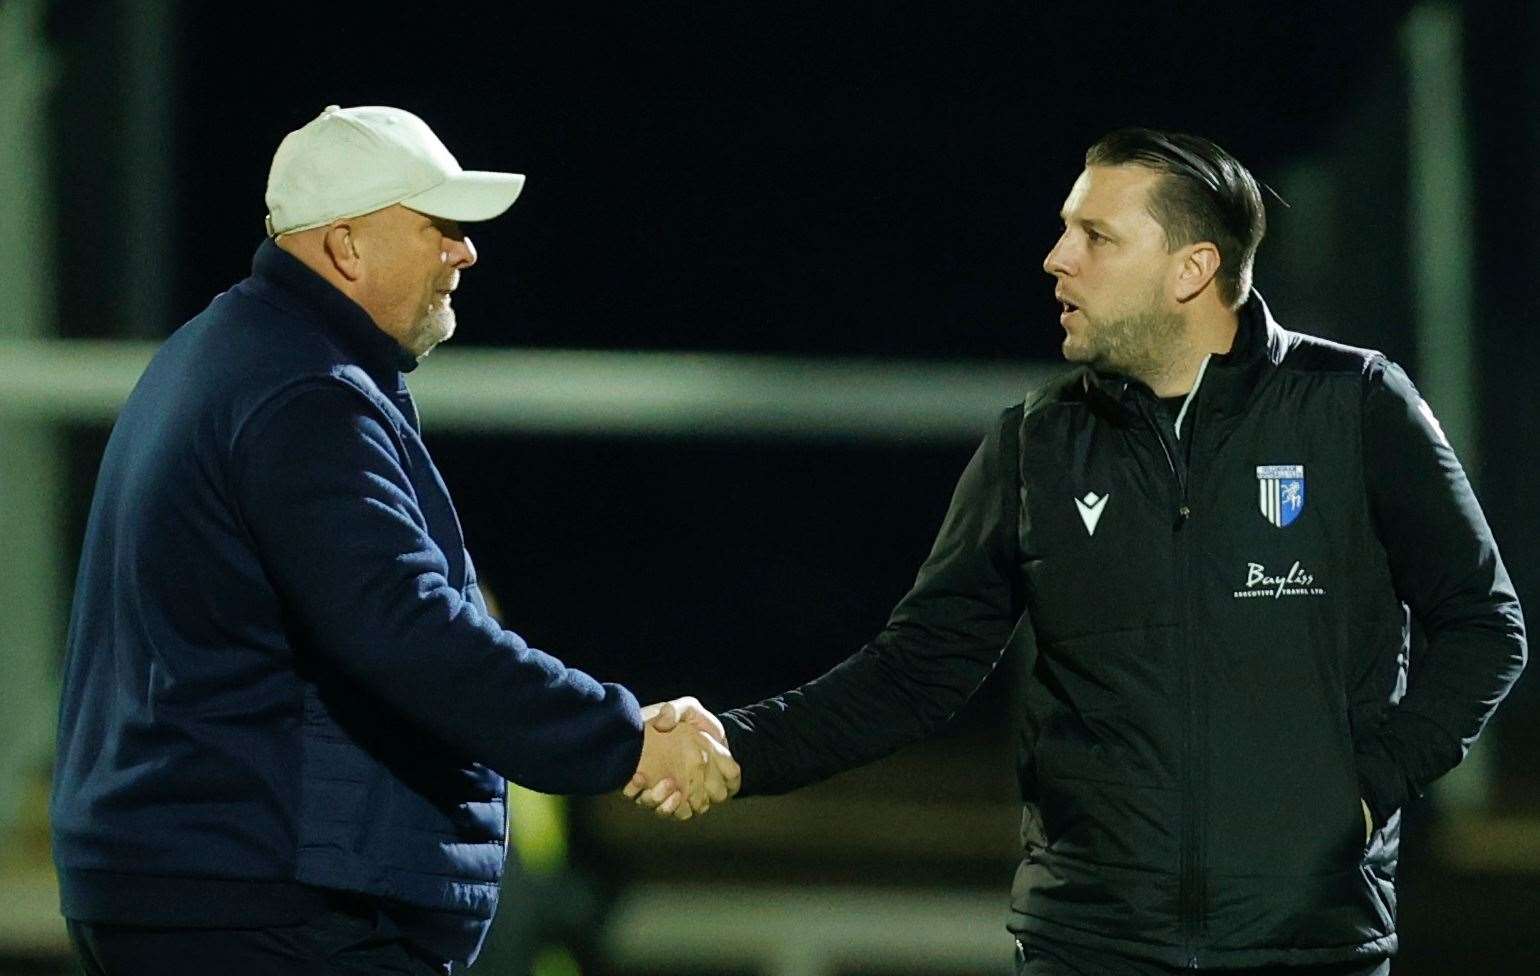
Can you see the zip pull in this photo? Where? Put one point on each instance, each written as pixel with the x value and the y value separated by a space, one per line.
pixel 1182 515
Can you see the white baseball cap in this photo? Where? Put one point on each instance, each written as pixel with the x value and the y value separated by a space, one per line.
pixel 352 161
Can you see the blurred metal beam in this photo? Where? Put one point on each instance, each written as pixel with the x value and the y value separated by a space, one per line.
pixel 32 590
pixel 543 391
pixel 807 930
pixel 1442 209
pixel 147 144
pixel 1443 220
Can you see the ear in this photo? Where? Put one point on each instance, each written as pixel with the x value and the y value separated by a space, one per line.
pixel 1198 267
pixel 341 245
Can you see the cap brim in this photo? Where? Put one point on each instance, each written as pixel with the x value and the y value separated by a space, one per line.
pixel 471 195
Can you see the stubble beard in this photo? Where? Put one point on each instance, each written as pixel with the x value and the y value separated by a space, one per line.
pixel 1142 345
pixel 436 325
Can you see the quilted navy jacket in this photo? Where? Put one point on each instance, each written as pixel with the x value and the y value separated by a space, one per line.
pixel 281 676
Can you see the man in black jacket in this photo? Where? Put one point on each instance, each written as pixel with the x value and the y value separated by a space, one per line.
pixel 1207 538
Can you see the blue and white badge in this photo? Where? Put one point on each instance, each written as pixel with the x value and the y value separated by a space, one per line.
pixel 1282 492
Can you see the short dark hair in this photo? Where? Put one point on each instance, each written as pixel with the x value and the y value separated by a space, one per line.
pixel 1206 195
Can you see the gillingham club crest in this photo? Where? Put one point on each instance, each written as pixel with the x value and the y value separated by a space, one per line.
pixel 1281 492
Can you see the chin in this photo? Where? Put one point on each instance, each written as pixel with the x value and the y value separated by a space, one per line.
pixel 1075 351
pixel 438 326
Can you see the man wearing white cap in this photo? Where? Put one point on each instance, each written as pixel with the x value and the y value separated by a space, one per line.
pixel 380 173
pixel 287 717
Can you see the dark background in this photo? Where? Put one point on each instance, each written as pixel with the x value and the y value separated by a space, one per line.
pixel 816 179
pixel 839 178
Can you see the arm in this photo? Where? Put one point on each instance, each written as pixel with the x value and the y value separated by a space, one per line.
pixel 939 645
pixel 1446 568
pixel 320 484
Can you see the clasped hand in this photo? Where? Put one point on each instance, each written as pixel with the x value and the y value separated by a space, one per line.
pixel 685 765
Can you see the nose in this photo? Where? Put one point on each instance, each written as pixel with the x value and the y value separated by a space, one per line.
pixel 1056 261
pixel 459 253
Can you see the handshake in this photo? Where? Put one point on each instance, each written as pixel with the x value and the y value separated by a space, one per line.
pixel 685 765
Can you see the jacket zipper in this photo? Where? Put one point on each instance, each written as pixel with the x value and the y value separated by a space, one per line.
pixel 1194 757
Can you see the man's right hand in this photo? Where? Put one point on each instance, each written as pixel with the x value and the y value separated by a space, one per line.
pixel 680 777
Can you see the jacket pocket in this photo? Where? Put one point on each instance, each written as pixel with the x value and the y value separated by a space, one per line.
pixel 1110 824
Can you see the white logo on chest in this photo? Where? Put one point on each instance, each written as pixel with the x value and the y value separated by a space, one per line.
pixel 1296 582
pixel 1091 508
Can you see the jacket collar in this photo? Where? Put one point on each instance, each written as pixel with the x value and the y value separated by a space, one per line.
pixel 344 320
pixel 1260 345
pixel 1229 381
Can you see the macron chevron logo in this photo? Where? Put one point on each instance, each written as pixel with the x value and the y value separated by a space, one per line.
pixel 1091 508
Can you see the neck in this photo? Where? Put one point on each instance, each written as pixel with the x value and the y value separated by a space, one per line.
pixel 309 248
pixel 1209 331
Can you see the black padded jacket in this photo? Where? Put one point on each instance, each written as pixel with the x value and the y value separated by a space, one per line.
pixel 1214 613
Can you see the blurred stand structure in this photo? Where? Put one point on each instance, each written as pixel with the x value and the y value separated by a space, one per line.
pixel 33 468
pixel 1411 230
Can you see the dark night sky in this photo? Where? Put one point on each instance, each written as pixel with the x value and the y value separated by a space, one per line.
pixel 856 178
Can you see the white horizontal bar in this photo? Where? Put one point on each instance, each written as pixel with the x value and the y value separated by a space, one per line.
pixel 808 930
pixel 547 391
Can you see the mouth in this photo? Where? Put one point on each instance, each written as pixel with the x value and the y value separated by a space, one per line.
pixel 1066 309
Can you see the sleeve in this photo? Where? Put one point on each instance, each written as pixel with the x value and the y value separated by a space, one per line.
pixel 941 642
pixel 1446 568
pixel 320 480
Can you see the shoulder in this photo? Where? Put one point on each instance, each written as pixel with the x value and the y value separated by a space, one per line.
pixel 321 411
pixel 1061 399
pixel 1387 397
pixel 1302 352
pixel 271 350
pixel 1062 387
pixel 1068 386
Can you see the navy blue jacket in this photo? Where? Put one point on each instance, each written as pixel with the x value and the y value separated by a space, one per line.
pixel 281 675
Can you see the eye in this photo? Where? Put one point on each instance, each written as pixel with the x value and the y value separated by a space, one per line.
pixel 445 228
pixel 1094 237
